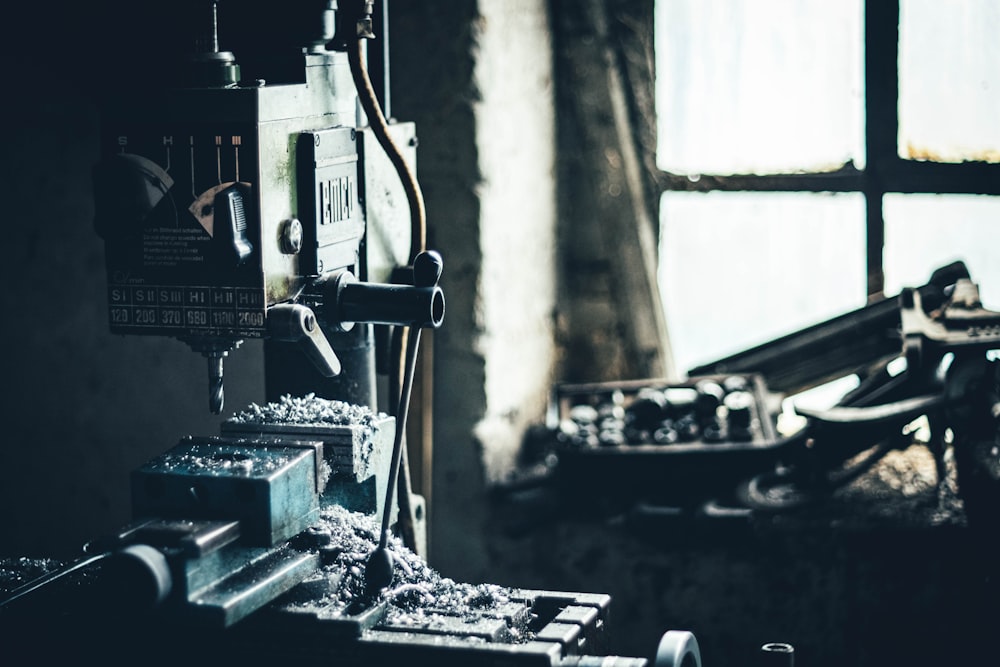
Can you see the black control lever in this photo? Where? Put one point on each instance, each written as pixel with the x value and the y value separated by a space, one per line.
pixel 347 301
pixel 294 323
pixel 427 268
pixel 230 227
pixel 337 301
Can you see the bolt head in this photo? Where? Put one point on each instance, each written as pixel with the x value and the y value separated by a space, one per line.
pixel 291 237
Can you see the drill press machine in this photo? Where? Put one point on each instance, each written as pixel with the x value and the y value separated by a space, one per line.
pixel 235 209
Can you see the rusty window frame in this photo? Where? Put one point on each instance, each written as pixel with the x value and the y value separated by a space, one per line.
pixel 885 172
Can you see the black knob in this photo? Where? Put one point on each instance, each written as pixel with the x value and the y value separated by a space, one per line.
pixel 647 411
pixel 739 407
pixel 710 395
pixel 427 269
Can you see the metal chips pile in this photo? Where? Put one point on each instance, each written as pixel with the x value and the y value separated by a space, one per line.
pixel 18 571
pixel 417 595
pixel 310 410
pixel 307 410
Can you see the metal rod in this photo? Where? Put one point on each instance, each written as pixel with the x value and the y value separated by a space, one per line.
pixel 47 579
pixel 412 345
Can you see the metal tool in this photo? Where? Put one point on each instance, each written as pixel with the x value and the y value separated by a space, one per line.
pixel 940 330
pixel 246 548
pixel 234 210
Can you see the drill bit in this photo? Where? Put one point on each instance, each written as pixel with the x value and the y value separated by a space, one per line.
pixel 216 395
pixel 214 349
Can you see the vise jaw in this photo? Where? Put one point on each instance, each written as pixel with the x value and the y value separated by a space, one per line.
pixel 232 514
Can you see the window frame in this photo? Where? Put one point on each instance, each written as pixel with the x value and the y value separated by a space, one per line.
pixel 885 172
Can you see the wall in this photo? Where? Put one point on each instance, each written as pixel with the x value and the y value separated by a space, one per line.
pixel 477 80
pixel 81 407
pixel 613 326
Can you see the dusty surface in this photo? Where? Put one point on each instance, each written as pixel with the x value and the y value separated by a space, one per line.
pixel 308 410
pixel 312 411
pixel 417 595
pixel 888 571
pixel 16 572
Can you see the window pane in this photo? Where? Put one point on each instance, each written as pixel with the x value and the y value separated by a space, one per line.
pixel 738 269
pixel 949 80
pixel 758 86
pixel 924 232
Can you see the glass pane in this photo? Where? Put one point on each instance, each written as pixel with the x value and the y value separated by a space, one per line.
pixel 949 80
pixel 739 269
pixel 758 86
pixel 924 232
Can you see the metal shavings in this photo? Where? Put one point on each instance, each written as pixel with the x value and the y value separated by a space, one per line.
pixel 418 595
pixel 16 572
pixel 409 595
pixel 208 460
pixel 403 564
pixel 904 486
pixel 325 471
pixel 309 410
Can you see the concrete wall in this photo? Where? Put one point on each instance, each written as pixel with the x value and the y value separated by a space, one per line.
pixel 515 135
pixel 477 80
pixel 614 324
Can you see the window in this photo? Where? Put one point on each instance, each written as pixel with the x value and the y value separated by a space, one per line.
pixel 817 154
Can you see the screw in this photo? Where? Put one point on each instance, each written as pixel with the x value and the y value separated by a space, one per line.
pixel 291 237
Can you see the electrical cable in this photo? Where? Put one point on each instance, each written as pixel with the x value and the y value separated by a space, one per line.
pixel 377 122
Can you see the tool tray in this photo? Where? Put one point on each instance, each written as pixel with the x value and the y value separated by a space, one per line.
pixel 659 441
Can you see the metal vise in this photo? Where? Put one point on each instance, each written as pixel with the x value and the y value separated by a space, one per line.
pixel 230 516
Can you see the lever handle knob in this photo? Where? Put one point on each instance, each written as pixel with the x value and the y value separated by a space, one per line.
pixel 427 269
pixel 231 227
pixel 294 323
